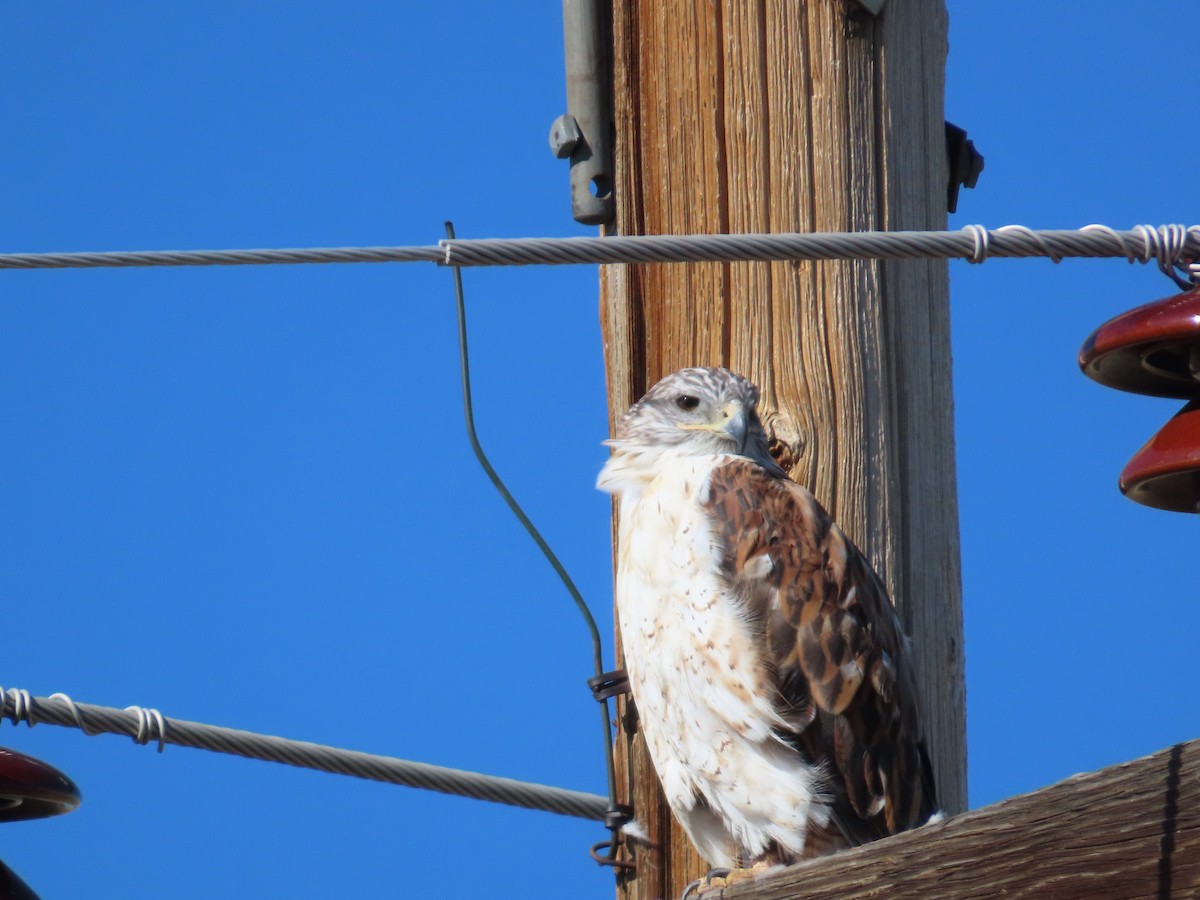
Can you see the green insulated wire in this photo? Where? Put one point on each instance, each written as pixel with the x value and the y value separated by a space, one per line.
pixel 525 521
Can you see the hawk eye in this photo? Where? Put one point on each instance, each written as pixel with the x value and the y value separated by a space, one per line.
pixel 687 402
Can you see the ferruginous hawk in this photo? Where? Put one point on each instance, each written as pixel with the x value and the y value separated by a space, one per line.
pixel 770 671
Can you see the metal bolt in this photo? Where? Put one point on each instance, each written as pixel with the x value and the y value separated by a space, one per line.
pixel 564 135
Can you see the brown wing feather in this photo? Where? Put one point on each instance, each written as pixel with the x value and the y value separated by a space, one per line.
pixel 836 646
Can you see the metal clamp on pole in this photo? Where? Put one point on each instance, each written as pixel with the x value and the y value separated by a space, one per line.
pixel 965 162
pixel 609 684
pixel 584 134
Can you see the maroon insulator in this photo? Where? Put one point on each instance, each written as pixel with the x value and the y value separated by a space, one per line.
pixel 1154 349
pixel 1166 472
pixel 31 789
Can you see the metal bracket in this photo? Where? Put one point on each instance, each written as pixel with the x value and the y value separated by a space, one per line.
pixel 966 163
pixel 584 134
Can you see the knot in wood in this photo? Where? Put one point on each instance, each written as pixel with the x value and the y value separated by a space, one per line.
pixel 785 441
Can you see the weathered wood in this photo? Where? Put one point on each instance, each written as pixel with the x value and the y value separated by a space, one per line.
pixel 800 116
pixel 1128 832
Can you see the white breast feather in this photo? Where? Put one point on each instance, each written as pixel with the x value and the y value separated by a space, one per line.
pixel 697 675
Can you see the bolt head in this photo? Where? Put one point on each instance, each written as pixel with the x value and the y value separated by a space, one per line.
pixel 564 136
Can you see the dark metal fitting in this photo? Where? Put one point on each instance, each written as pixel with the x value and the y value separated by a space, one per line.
pixel 609 684
pixel 617 816
pixel 966 164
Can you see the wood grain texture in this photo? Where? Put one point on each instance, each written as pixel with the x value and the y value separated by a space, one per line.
pixel 1130 831
pixel 742 116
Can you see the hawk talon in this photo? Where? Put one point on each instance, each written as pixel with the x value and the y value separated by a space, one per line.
pixel 718 872
pixel 696 889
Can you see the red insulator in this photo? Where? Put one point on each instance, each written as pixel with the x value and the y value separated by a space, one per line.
pixel 1166 472
pixel 1154 349
pixel 31 789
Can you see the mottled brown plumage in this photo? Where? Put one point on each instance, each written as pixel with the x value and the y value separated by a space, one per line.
pixel 834 645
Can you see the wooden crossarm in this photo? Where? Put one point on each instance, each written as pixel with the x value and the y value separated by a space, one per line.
pixel 1128 831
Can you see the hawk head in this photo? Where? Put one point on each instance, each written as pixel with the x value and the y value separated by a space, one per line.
pixel 697 412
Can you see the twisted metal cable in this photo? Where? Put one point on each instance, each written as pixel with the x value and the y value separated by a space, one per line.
pixel 1175 243
pixel 141 258
pixel 974 243
pixel 145 726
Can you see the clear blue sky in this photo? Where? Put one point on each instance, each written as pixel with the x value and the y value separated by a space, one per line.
pixel 244 495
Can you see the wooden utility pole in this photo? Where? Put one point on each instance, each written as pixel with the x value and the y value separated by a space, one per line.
pixel 799 115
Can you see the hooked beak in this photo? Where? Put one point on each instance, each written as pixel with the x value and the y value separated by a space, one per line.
pixel 733 425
